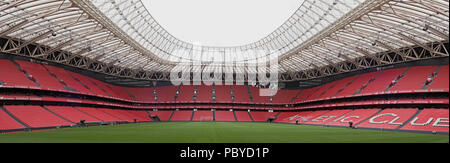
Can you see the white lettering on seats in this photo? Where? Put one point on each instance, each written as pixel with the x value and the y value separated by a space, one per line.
pixel 413 122
pixel 441 120
pixel 372 120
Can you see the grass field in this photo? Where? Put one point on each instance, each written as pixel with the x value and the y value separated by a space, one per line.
pixel 218 132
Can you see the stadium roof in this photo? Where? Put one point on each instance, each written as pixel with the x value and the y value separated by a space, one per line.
pixel 322 38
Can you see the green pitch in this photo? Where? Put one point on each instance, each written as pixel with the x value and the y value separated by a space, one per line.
pixel 218 132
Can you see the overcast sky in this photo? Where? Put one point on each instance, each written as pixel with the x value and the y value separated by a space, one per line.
pixel 221 22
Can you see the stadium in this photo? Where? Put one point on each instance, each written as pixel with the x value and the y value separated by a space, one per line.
pixel 105 71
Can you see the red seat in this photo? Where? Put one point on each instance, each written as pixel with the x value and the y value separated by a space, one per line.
pixel 204 94
pixel 203 115
pixel 357 84
pixel 355 116
pixel 224 116
pixel 241 94
pixel 8 123
pixel 64 76
pixel 414 79
pixel 430 120
pixel 223 94
pixel 259 97
pixel 284 96
pixel 42 76
pixel 98 114
pixel 389 119
pixel 36 116
pixel 441 81
pixel 340 85
pixel 71 114
pixel 12 77
pixel 242 116
pixel 162 114
pixel 328 117
pixel 182 115
pixel 381 83
pixel 262 116
pixel 186 94
pixel 291 117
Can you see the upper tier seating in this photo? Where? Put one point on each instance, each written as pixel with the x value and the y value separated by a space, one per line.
pixel 223 94
pixel 36 116
pixel 357 84
pixel 339 86
pixel 42 76
pixel 224 116
pixel 11 76
pixel 8 123
pixel 430 120
pixel 262 116
pixel 186 94
pixel 202 115
pixel 182 115
pixel 382 82
pixel 102 86
pixel 242 116
pixel 119 91
pixel 86 82
pixel 258 98
pixel 204 93
pixel 65 77
pixel 284 96
pixel 241 94
pixel 440 82
pixel 57 79
pixel 145 94
pixel 166 93
pixel 389 119
pixel 71 114
pixel 305 93
pixel 414 79
pixel 320 91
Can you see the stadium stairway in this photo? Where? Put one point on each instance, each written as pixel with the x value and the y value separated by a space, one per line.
pixel 14 117
pixel 57 115
pixel 410 119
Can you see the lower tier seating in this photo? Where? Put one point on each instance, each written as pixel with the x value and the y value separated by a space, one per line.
pixel 430 120
pixel 243 116
pixel 72 114
pixel 389 119
pixel 8 123
pixel 162 115
pixel 290 117
pixel 328 117
pixel 203 116
pixel 16 117
pixel 98 114
pixel 224 116
pixel 36 116
pixel 182 115
pixel 355 116
pixel 262 116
